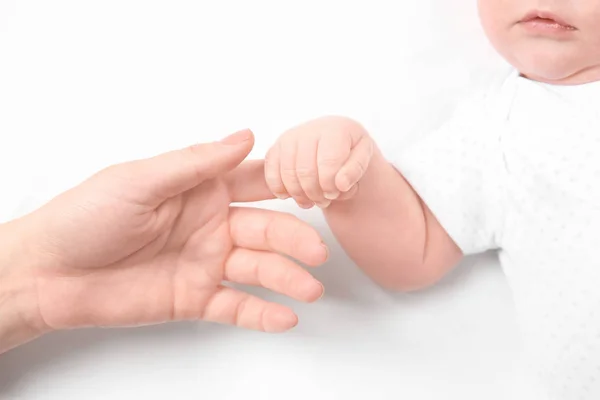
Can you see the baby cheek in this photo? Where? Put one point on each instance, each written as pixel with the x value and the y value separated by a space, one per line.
pixel 593 37
pixel 588 15
pixel 583 52
pixel 496 24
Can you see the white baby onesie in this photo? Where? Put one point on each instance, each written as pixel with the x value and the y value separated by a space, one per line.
pixel 517 169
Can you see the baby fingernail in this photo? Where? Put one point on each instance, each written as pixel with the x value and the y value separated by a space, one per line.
pixel 331 196
pixel 324 204
pixel 306 205
pixel 345 184
pixel 282 196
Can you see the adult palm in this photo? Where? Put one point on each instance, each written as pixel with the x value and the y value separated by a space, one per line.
pixel 154 240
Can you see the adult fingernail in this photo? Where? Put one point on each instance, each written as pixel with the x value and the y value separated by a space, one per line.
pixel 331 196
pixel 311 290
pixel 237 138
pixel 283 320
pixel 322 292
pixel 326 250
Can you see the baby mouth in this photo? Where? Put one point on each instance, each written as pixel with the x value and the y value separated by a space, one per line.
pixel 546 21
pixel 551 23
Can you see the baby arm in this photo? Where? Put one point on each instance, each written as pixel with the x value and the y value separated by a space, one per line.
pixel 373 212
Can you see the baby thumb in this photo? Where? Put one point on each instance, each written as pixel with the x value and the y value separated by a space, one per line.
pixel 175 172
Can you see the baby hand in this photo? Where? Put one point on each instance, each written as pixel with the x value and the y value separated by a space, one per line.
pixel 318 162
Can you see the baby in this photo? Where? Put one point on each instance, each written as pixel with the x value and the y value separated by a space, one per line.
pixel 514 170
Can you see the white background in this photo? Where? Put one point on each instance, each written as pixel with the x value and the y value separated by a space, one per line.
pixel 86 83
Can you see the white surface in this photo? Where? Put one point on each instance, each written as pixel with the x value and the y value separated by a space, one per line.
pixel 87 83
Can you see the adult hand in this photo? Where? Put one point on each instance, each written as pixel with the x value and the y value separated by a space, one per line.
pixel 152 241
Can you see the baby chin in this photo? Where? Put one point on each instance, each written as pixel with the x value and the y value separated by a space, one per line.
pixel 554 63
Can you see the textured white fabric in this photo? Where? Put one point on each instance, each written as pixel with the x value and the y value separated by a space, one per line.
pixel 517 169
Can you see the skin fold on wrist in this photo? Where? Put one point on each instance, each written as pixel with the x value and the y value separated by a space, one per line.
pixel 20 321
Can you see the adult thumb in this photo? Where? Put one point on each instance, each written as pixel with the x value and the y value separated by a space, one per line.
pixel 175 172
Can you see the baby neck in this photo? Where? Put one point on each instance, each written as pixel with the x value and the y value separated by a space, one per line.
pixel 588 75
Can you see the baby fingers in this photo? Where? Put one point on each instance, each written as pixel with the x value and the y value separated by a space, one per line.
pixel 334 150
pixel 307 171
pixel 289 173
pixel 273 173
pixel 355 167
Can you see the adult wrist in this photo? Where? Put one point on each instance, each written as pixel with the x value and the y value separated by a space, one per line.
pixel 20 319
